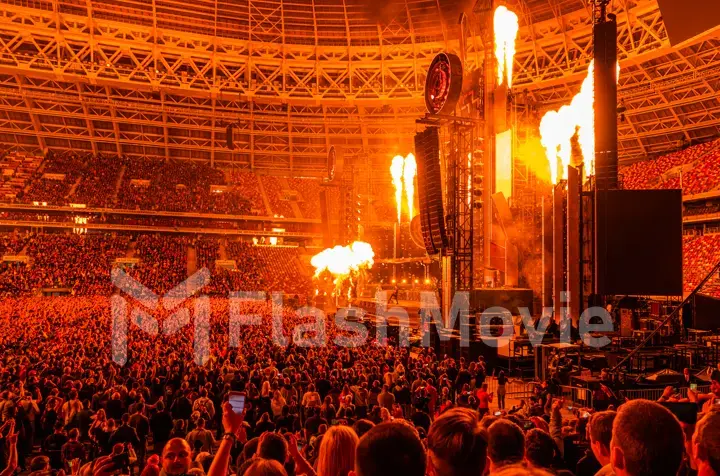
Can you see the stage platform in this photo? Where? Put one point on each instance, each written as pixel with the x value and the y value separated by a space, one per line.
pixel 411 307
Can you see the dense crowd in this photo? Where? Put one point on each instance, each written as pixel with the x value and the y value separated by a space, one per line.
pixel 179 187
pixel 695 169
pixel 99 181
pixel 323 409
pixel 700 255
pixel 54 191
pixel 82 263
pixel 278 202
pixel 309 196
pixel 137 184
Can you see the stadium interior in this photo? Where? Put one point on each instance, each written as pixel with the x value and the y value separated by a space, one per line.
pixel 234 236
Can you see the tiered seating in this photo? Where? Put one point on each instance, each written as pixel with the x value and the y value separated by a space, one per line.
pixel 163 262
pixel 52 191
pixel 281 269
pixel 273 189
pixel 17 170
pixel 247 276
pixel 208 250
pixel 701 210
pixel 700 254
pixel 247 183
pixel 173 186
pixel 13 243
pixel 97 186
pixel 703 176
pixel 79 262
pixel 309 191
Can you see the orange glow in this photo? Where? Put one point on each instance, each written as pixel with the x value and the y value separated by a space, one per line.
pixel 532 153
pixel 409 173
pixel 558 127
pixel 396 171
pixel 343 262
pixel 506 29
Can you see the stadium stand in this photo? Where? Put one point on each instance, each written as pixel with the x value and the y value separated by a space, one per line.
pixel 698 166
pixel 274 192
pixel 17 170
pixel 309 192
pixel 700 254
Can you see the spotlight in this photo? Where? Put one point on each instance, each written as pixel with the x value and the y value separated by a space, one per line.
pixel 427 281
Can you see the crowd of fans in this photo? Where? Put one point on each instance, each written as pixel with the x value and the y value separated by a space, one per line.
pixel 309 196
pixel 146 184
pixel 323 409
pixel 80 263
pixel 99 181
pixel 248 183
pixel 207 250
pixel 695 170
pixel 700 255
pixel 274 191
pixel 51 190
pixel 261 268
pixel 163 262
pixel 180 187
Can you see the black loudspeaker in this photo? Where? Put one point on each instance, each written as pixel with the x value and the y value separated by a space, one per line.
pixel 432 221
pixel 325 218
pixel 705 312
pixel 688 316
pixel 229 137
pixel 606 148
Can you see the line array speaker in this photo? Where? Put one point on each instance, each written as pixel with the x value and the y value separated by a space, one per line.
pixel 605 76
pixel 229 137
pixel 432 214
pixel 325 218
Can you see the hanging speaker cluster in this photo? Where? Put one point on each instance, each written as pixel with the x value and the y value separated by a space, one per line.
pixel 432 214
pixel 443 83
pixel 229 136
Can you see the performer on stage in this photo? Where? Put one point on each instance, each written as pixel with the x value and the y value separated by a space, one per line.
pixel 395 293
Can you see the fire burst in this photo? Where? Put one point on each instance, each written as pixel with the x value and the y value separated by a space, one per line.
pixel 558 127
pixel 506 29
pixel 343 262
pixel 409 172
pixel 396 170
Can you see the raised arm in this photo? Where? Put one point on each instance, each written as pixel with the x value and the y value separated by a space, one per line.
pixel 11 442
pixel 234 431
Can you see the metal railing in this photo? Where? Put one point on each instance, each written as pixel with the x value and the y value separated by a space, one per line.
pixel 581 397
pixel 513 388
pixel 656 393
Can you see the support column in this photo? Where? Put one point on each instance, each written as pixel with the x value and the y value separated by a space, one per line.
pixel 573 264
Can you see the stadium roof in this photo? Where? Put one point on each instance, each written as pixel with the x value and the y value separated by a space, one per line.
pixel 163 78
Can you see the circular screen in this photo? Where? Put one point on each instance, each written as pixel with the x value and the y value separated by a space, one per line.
pixel 443 83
